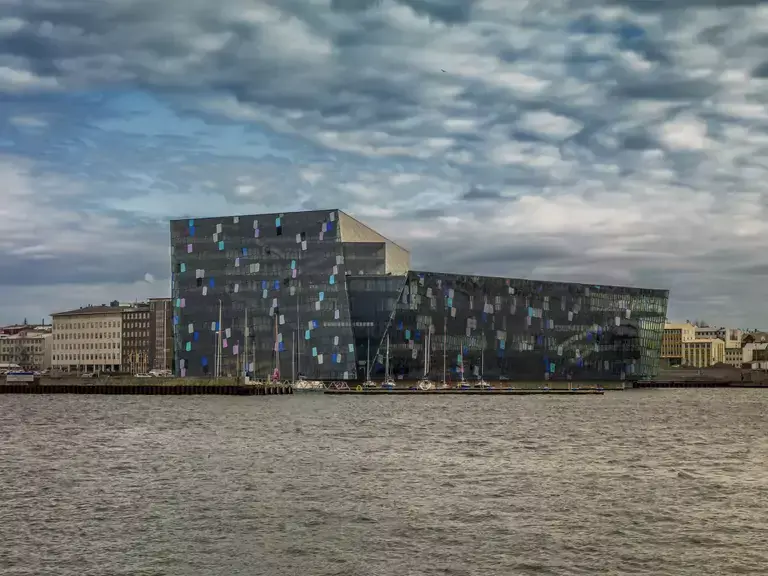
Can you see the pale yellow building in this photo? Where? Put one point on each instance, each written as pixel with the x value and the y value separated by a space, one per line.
pixel 87 339
pixel 675 335
pixel 703 353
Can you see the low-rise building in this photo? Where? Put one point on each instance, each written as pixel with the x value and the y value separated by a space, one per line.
pixel 675 335
pixel 703 353
pixel 87 339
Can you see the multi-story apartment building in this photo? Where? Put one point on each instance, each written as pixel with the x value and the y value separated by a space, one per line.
pixel 703 353
pixel 137 344
pixel 29 348
pixel 161 334
pixel 87 339
pixel 675 335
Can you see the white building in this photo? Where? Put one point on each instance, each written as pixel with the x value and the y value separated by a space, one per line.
pixel 28 348
pixel 87 339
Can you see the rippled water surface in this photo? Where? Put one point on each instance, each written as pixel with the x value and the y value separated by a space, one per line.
pixel 644 482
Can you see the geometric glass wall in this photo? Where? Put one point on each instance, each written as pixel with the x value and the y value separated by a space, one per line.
pixel 371 301
pixel 287 271
pixel 314 302
pixel 523 330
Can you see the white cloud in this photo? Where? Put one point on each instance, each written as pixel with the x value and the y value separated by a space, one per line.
pixel 684 134
pixel 28 122
pixel 549 125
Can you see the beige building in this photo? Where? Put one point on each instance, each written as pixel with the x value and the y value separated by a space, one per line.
pixel 703 353
pixel 675 335
pixel 87 339
pixel 29 348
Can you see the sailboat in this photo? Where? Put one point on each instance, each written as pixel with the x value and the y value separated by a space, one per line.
pixel 444 383
pixel 388 382
pixel 425 383
pixel 275 376
pixel 481 383
pixel 368 382
pixel 303 385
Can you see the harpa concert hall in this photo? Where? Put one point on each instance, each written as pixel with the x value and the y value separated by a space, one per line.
pixel 321 294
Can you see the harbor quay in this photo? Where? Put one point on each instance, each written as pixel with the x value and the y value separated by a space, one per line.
pixel 146 386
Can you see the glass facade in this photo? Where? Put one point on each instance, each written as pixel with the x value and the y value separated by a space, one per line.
pixel 315 299
pixel 371 301
pixel 286 270
pixel 523 330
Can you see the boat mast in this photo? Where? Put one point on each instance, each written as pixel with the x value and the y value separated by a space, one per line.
pixel 298 335
pixel 368 359
pixel 218 346
pixel 386 367
pixel 277 347
pixel 245 335
pixel 445 349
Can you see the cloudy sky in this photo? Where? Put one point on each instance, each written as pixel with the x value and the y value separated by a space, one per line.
pixel 613 142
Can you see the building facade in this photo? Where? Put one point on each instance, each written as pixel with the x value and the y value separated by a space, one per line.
pixel 288 272
pixel 87 339
pixel 136 341
pixel 513 329
pixel 703 352
pixel 732 337
pixel 319 292
pixel 161 334
pixel 734 357
pixel 673 339
pixel 30 348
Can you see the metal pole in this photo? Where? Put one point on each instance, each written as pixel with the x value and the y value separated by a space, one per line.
pixel 293 357
pixel 368 360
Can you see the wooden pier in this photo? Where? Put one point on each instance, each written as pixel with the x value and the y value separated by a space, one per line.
pixel 170 388
pixel 467 392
